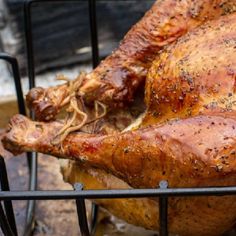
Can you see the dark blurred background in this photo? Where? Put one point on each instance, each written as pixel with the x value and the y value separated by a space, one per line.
pixel 61 30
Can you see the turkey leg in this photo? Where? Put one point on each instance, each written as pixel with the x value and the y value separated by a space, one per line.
pixel 190 152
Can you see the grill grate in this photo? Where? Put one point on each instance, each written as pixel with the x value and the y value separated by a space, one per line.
pixel 7 219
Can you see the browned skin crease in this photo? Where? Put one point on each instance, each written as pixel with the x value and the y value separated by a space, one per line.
pixel 189 140
pixel 116 79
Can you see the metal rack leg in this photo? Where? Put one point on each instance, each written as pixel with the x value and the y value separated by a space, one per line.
pixel 81 211
pixel 4 223
pixel 7 204
pixel 16 75
pixel 95 58
pixel 32 157
pixel 30 218
pixel 29 42
pixel 163 211
pixel 94 216
pixel 93 29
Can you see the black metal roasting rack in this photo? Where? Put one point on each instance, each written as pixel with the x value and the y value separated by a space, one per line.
pixel 7 218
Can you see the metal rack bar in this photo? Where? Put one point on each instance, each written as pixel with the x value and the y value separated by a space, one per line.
pixel 32 157
pixel 16 76
pixel 81 209
pixel 30 219
pixel 8 221
pixel 29 42
pixel 93 32
pixel 95 61
pixel 117 193
pixel 163 210
pixel 10 217
pixel 31 164
pixel 4 223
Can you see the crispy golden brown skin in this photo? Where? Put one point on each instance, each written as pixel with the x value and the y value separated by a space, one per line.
pixel 197 149
pixel 195 74
pixel 116 79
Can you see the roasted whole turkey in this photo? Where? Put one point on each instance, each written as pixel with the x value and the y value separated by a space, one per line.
pixel 182 131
